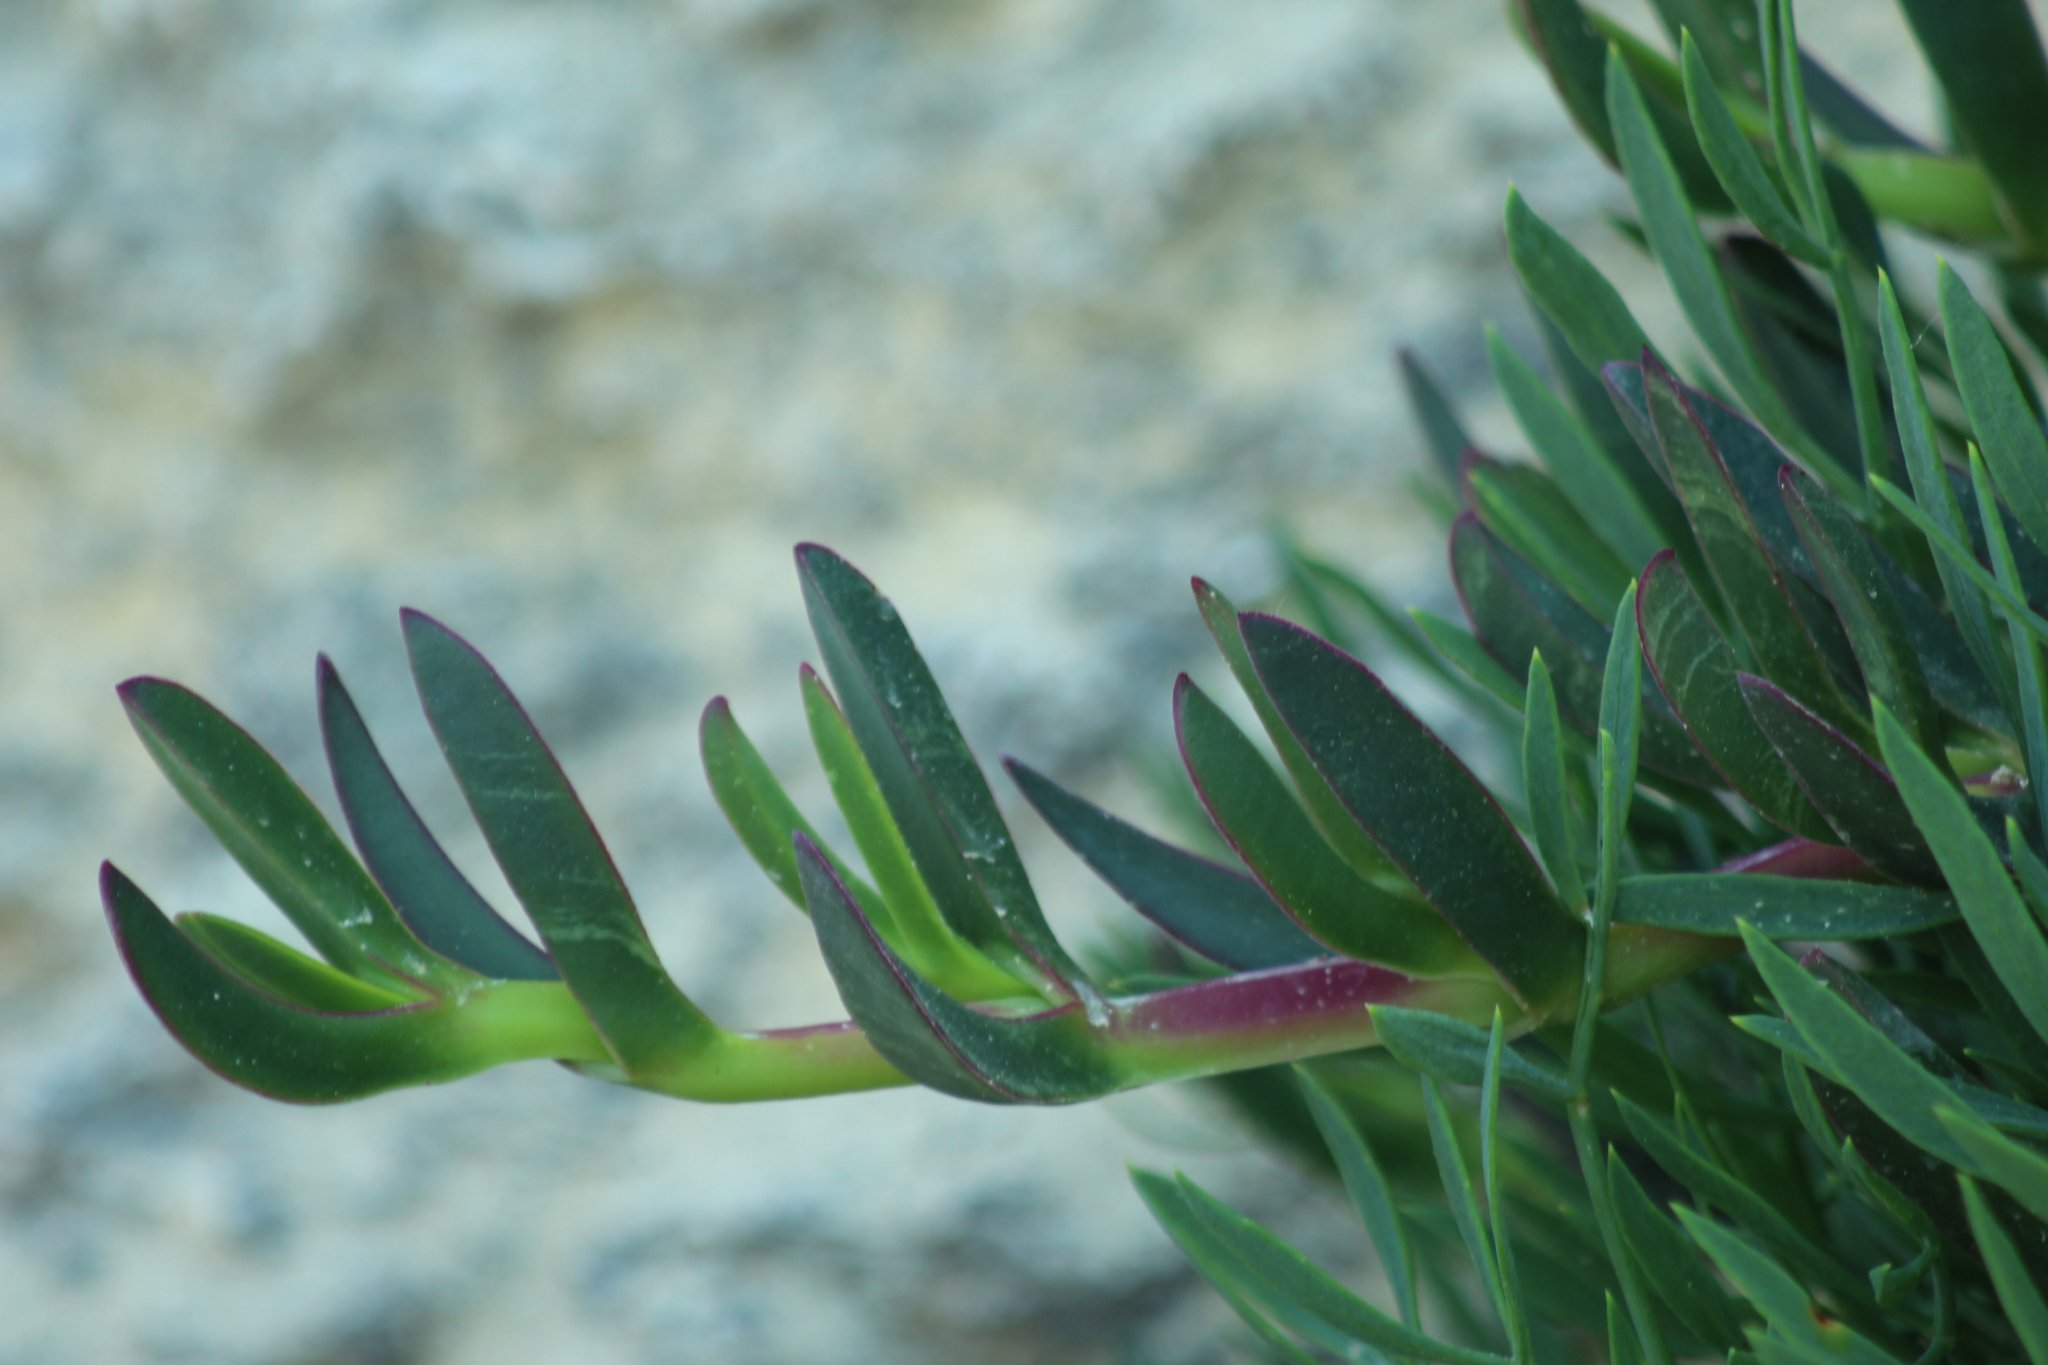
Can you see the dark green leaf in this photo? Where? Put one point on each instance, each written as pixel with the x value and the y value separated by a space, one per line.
pixel 1253 811
pixel 1673 1265
pixel 934 788
pixel 1852 790
pixel 1413 798
pixel 1984 890
pixel 1857 1054
pixel 1779 907
pixel 284 971
pixel 1044 1058
pixel 1454 1051
pixel 904 912
pixel 1697 672
pixel 1370 1194
pixel 552 856
pixel 1585 472
pixel 1737 166
pixel 1543 784
pixel 2006 428
pixel 1216 910
pixel 1522 506
pixel 1323 806
pixel 1575 55
pixel 1987 56
pixel 277 1049
pixel 1586 310
pixel 2017 1292
pixel 1750 583
pixel 1435 416
pixel 1461 1193
pixel 274 831
pixel 436 901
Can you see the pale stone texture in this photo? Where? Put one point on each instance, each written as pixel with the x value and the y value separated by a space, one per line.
pixel 563 321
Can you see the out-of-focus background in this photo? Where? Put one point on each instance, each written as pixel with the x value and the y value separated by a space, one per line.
pixel 564 321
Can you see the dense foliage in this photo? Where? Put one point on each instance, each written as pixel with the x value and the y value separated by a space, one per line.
pixel 1721 1030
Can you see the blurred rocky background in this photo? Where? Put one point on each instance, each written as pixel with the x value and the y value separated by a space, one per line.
pixel 564 321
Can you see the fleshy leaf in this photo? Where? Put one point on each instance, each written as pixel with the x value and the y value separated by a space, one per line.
pixel 1519 614
pixel 1587 311
pixel 551 855
pixel 1216 910
pixel 1043 1058
pixel 2017 1292
pixel 935 789
pixel 264 1044
pixel 1779 907
pixel 1524 507
pixel 1852 790
pixel 269 825
pixel 1696 670
pixel 1994 83
pixel 432 896
pixel 1543 784
pixel 1736 164
pixel 2022 1170
pixel 1454 1051
pixel 1413 798
pixel 908 919
pixel 1254 812
pixel 1680 1278
pixel 1442 431
pixel 283 971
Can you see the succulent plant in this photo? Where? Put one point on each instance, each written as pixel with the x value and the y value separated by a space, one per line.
pixel 1747 960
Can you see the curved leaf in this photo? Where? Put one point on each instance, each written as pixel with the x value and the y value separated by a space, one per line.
pixel 551 854
pixel 1216 910
pixel 1850 789
pixel 1043 1058
pixel 1779 907
pixel 934 788
pixel 1413 798
pixel 1254 812
pixel 426 889
pixel 269 825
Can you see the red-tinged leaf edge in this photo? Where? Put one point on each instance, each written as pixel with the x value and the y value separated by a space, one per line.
pixel 1042 1058
pixel 1413 797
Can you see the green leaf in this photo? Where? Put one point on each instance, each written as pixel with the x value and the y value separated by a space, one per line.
pixel 1437 418
pixel 1216 910
pixel 2017 1293
pixel 433 898
pixel 1370 1194
pixel 1454 1051
pixel 1577 299
pixel 274 831
pixel 278 1049
pixel 1295 1291
pixel 1761 1280
pixel 904 912
pixel 1254 812
pixel 935 790
pixel 1737 166
pixel 1929 476
pixel 1672 1264
pixel 1779 907
pixel 552 856
pixel 1898 1089
pixel 2022 1171
pixel 1681 250
pixel 1852 790
pixel 1750 584
pixel 756 806
pixel 1522 506
pixel 1042 1058
pixel 1412 797
pixel 2007 431
pixel 283 971
pixel 1696 670
pixel 1984 890
pixel 1575 55
pixel 1514 1316
pixel 1732 1195
pixel 1469 656
pixel 1169 1207
pixel 1323 806
pixel 1852 573
pixel 1461 1194
pixel 1543 783
pixel 1994 83
pixel 2029 678
pixel 1615 500
pixel 1518 614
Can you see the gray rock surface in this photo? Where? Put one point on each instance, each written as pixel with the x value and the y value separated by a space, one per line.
pixel 563 321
